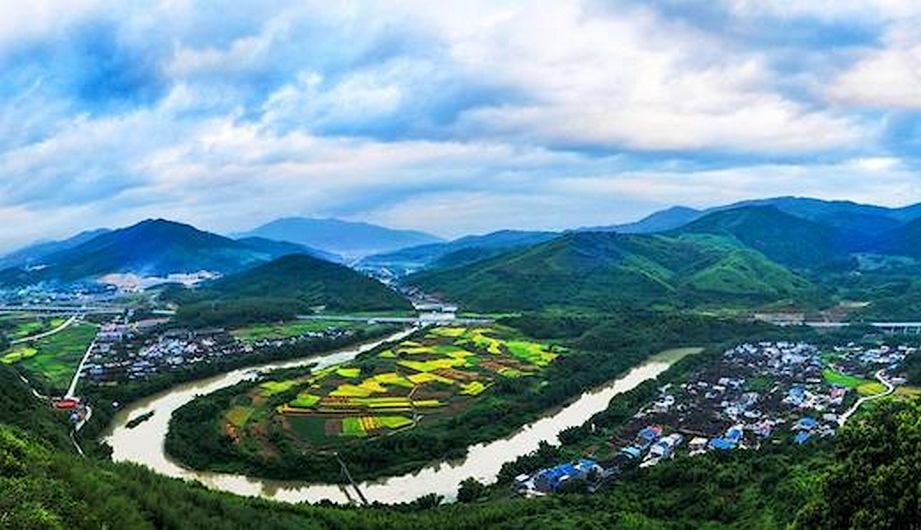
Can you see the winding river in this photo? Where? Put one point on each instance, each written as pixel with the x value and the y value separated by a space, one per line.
pixel 144 443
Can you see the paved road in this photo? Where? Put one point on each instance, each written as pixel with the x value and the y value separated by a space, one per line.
pixel 73 384
pixel 890 388
pixel 58 329
pixel 395 320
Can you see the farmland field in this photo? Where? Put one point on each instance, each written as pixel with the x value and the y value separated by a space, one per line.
pixel 864 387
pixel 436 374
pixel 288 330
pixel 20 328
pixel 55 358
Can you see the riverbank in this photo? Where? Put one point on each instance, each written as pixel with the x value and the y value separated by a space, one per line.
pixel 144 445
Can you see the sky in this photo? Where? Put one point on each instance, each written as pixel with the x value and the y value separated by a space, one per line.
pixel 450 117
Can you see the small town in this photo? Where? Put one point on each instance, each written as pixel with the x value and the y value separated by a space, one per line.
pixel 126 350
pixel 754 394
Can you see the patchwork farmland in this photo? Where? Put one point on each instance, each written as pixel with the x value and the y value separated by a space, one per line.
pixel 438 373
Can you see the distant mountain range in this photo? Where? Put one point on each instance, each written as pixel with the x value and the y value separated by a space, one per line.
pixel 34 254
pixel 773 251
pixel 861 218
pixel 150 248
pixel 346 238
pixel 752 254
pixel 460 251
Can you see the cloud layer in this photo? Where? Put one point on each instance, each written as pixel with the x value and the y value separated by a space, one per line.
pixel 452 117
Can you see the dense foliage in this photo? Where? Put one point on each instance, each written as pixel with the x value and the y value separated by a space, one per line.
pixel 280 290
pixel 874 482
pixel 610 271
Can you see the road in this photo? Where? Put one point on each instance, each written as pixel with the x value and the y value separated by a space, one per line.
pixel 80 310
pixel 73 384
pixel 890 388
pixel 422 319
pixel 58 329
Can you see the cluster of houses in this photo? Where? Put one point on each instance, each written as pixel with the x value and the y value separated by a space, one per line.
pixel 754 392
pixel 128 350
pixel 551 479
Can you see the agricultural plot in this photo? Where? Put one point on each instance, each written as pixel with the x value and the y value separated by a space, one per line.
pixel 288 330
pixel 864 387
pixel 18 328
pixel 54 358
pixel 437 374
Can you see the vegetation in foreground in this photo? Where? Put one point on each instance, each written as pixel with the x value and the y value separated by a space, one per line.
pixel 44 484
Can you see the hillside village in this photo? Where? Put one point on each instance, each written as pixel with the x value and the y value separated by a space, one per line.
pixel 767 392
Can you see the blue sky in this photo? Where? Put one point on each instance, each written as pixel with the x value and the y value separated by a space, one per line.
pixel 452 117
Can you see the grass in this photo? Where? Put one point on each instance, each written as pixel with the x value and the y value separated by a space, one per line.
pixel 272 388
pixel 31 327
pixel 350 391
pixel 349 373
pixel 238 416
pixel 871 389
pixel 533 353
pixel 289 330
pixel 833 377
pixel 393 379
pixel 57 356
pixel 17 354
pixel 759 383
pixel 394 422
pixel 512 373
pixel 305 400
pixel 864 387
pixel 353 427
pixel 309 428
pixel 474 388
pixel 430 366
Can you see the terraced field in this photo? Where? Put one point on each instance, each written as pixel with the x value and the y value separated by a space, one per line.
pixel 437 374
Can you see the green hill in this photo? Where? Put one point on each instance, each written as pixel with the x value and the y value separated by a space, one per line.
pixel 609 270
pixel 283 288
pixel 154 247
pixel 903 241
pixel 748 273
pixel 789 240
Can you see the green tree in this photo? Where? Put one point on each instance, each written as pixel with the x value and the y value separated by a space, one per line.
pixel 874 482
pixel 470 490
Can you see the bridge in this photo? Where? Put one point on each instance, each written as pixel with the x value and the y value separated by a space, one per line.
pixel 907 328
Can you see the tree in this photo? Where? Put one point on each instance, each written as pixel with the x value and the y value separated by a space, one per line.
pixel 470 490
pixel 874 483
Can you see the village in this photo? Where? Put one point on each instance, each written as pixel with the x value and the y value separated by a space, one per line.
pixel 126 350
pixel 769 392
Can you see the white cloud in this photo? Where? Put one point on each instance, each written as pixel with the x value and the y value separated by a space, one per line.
pixel 636 81
pixel 889 76
pixel 454 117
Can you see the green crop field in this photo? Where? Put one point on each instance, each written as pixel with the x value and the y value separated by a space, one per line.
pixel 291 329
pixel 20 328
pixel 54 358
pixel 848 381
pixel 439 372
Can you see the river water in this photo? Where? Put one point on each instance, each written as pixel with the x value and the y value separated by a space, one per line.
pixel 144 443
